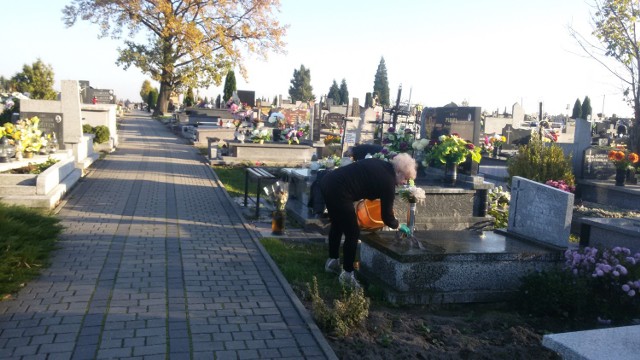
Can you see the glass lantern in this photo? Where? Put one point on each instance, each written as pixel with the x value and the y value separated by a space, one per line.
pixel 6 150
pixel 53 143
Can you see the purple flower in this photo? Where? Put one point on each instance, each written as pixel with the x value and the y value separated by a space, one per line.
pixel 626 288
pixel 403 145
pixel 384 151
pixel 391 130
pixel 631 293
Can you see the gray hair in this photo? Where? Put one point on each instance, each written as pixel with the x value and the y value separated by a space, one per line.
pixel 403 163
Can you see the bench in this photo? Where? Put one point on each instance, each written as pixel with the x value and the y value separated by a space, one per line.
pixel 258 174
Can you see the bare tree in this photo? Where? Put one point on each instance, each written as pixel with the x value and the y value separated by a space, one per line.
pixel 614 23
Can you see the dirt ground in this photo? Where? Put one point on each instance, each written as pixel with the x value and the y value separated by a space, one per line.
pixel 470 331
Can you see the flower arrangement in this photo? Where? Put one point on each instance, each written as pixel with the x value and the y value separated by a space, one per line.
pixel 278 193
pixel 412 194
pixel 623 159
pixel 330 162
pixel 497 140
pixel 451 149
pixel 293 135
pixel 398 141
pixel 25 134
pixel 332 139
pixel 560 184
pixel 260 135
pixel 486 146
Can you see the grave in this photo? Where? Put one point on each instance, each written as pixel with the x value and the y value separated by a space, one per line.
pixel 464 263
pixel 611 232
pixel 281 154
pixel 66 116
pixel 596 164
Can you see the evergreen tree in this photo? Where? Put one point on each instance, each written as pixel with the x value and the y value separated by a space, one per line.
pixel 334 93
pixel 229 85
pixel 152 98
pixel 144 90
pixel 577 110
pixel 206 100
pixel 5 84
pixel 188 97
pixel 301 89
pixel 381 84
pixel 344 93
pixel 586 107
pixel 37 80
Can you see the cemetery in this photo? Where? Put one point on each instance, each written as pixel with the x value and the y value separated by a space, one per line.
pixel 456 253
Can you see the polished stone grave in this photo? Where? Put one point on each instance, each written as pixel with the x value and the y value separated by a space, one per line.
pixel 453 266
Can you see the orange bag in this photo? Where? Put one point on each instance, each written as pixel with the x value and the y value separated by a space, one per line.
pixel 369 215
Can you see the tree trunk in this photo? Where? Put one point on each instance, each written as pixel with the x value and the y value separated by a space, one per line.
pixel 163 100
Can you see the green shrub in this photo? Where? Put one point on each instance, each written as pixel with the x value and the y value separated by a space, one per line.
pixel 102 134
pixel 347 314
pixel 540 161
pixel 87 129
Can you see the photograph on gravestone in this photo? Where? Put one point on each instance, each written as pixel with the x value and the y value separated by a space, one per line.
pixel 464 121
pixel 49 123
pixel 247 97
pixel 597 165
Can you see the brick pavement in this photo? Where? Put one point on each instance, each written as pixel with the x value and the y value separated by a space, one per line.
pixel 156 263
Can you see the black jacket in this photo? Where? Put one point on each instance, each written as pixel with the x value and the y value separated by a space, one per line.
pixel 364 179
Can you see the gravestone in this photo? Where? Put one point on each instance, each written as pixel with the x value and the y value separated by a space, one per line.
pixel 517 137
pixel 103 96
pixel 247 97
pixel 540 212
pixel 597 165
pixel 465 121
pixel 333 117
pixel 50 123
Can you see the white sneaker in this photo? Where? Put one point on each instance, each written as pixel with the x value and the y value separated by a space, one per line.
pixel 348 279
pixel 332 266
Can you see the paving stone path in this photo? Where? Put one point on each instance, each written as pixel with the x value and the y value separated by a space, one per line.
pixel 155 262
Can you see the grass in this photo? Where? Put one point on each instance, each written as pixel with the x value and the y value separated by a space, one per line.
pixel 233 179
pixel 26 240
pixel 300 262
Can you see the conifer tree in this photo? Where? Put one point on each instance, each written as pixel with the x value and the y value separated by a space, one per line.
pixel 301 89
pixel 586 107
pixel 334 93
pixel 229 85
pixel 344 93
pixel 188 98
pixel 577 110
pixel 381 84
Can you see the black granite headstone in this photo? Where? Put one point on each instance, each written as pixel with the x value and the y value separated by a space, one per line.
pixel 464 121
pixel 247 97
pixel 104 96
pixel 49 123
pixel 597 165
pixel 516 136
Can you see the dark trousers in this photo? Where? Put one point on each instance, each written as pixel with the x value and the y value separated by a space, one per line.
pixel 343 221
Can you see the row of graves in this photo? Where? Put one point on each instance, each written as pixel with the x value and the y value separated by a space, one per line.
pixel 451 257
pixel 52 131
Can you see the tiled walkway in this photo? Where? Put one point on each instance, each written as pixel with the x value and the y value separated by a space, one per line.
pixel 156 263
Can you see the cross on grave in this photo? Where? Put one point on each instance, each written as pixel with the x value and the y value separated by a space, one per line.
pixel 63 117
pixel 508 135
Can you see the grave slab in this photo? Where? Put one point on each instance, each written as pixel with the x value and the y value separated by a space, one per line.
pixel 620 343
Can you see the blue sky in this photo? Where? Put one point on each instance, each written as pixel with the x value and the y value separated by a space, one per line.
pixel 490 53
